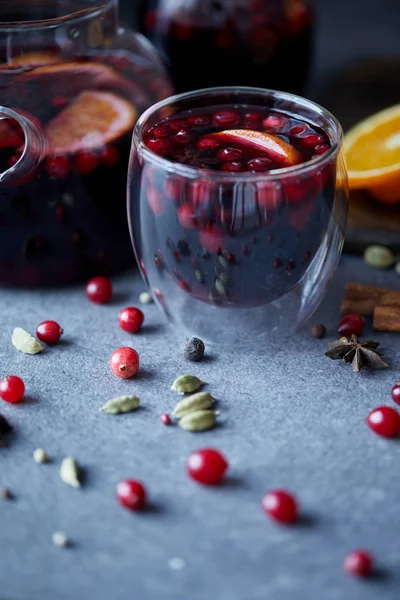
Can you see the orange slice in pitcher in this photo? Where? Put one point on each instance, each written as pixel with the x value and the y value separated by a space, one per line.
pixel 272 146
pixel 373 155
pixel 31 59
pixel 92 120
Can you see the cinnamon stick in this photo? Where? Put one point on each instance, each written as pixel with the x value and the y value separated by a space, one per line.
pixel 363 307
pixel 387 318
pixel 362 299
pixel 390 299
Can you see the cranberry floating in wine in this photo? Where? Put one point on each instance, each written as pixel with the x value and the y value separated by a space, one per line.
pixel 73 84
pixel 237 220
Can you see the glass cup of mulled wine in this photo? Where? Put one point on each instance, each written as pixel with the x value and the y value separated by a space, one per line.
pixel 237 202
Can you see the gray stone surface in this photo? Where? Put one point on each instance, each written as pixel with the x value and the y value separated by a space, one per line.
pixel 290 418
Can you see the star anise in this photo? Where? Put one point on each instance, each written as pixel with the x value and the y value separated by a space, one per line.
pixel 359 354
pixel 202 159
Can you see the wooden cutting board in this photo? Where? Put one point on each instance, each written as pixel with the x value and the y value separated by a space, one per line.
pixel 353 94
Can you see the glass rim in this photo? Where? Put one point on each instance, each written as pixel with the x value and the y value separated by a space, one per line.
pixel 76 15
pixel 187 170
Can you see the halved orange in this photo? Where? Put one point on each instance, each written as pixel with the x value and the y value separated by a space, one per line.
pixel 31 59
pixel 92 120
pixel 373 155
pixel 272 146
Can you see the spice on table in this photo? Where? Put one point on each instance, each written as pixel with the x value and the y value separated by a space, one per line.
pixel 359 563
pixel 145 298
pixel 193 349
pixel 199 401
pixel 5 494
pixel 207 466
pixel 121 404
pixel 361 299
pixel 59 539
pixel 318 330
pixel 25 342
pixel 186 384
pixel 379 257
pixel 69 472
pixel 359 354
pixel 40 456
pixel 386 318
pixel 124 362
pixel 199 420
pixel 384 421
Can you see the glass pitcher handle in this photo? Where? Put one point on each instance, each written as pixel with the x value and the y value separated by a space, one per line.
pixel 34 148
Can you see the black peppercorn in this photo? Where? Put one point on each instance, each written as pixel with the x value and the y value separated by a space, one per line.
pixel 318 331
pixel 193 349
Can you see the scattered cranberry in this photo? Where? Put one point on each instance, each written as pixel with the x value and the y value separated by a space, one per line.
pixel 274 122
pixel 162 147
pixel 99 290
pixel 384 421
pixel 49 332
pixel 12 388
pixel 233 167
pixel 199 120
pixel 59 102
pixel 131 494
pixel 58 166
pixel 226 118
pixel 86 162
pixel 161 131
pixel 109 156
pixel 359 563
pixel 229 154
pixel 207 144
pixel 259 164
pixel 396 392
pixel 124 362
pixel 165 419
pixel 351 324
pixel 186 217
pixel 312 140
pixel 280 506
pixel 182 138
pixel 206 466
pixel 130 319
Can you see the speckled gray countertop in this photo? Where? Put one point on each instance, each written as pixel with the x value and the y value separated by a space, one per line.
pixel 290 418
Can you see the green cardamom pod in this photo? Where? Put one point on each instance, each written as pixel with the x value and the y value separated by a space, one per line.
pixel 199 420
pixel 379 257
pixel 121 404
pixel 199 401
pixel 186 384
pixel 25 342
pixel 69 472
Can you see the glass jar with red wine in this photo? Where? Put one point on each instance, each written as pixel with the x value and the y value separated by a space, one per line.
pixel 264 43
pixel 72 84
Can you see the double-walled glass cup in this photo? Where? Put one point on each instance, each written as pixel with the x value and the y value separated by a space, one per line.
pixel 234 256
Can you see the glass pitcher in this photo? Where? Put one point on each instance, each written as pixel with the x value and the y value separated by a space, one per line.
pixel 73 84
pixel 206 43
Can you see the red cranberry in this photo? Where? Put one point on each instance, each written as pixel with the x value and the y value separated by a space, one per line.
pixel 277 263
pixel 173 188
pixel 161 131
pixel 321 149
pixel 207 466
pixel 49 332
pixel 312 140
pixel 130 319
pixel 296 192
pixel 12 160
pixel 207 144
pixel 274 122
pixel 298 130
pixel 124 362
pixel 109 156
pixel 12 388
pixel 396 392
pixel 186 217
pixel 59 102
pixel 200 192
pixel 253 118
pixel 99 290
pixel 211 238
pixel 86 162
pixel 384 421
pixel 150 19
pixel 182 138
pixel 233 167
pixel 351 324
pixel 359 563
pixel 268 195
pixel 259 164
pixel 199 120
pixel 178 124
pixel 226 118
pixel 280 506
pixel 165 419
pixel 162 147
pixel 131 494
pixel 155 200
pixel 229 154
pixel 58 166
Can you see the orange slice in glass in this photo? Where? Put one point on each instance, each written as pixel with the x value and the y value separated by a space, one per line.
pixel 272 146
pixel 31 59
pixel 373 155
pixel 92 120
